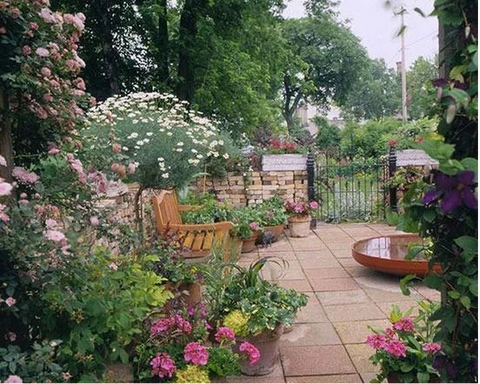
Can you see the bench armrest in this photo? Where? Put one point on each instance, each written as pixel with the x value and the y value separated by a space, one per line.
pixel 224 225
pixel 184 207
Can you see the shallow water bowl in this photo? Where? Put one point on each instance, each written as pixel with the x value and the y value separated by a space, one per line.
pixel 387 254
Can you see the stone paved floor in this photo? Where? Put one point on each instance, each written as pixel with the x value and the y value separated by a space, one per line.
pixel 327 344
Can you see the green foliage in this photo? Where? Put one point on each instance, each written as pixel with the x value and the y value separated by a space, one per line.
pixel 265 305
pixel 222 363
pixel 328 135
pixel 272 212
pixel 420 88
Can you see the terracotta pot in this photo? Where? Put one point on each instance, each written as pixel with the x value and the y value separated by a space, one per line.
pixel 277 231
pixel 189 293
pixel 393 378
pixel 268 343
pixel 299 226
pixel 248 245
pixel 119 373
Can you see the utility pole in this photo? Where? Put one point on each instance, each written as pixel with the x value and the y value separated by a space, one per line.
pixel 404 71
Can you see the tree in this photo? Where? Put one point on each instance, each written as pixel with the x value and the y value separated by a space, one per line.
pixel 375 94
pixel 323 63
pixel 420 89
pixel 328 135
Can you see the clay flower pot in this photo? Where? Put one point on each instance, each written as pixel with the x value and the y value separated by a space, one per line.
pixel 248 245
pixel 277 231
pixel 299 226
pixel 268 343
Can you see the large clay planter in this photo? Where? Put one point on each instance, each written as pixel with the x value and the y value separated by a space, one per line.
pixel 119 373
pixel 393 378
pixel 190 293
pixel 268 343
pixel 299 226
pixel 248 245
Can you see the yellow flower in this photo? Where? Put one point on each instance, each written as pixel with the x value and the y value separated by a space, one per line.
pixel 192 374
pixel 237 321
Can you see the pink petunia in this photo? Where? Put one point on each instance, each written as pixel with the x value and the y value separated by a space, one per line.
pixel 225 334
pixel 251 351
pixel 431 348
pixel 195 353
pixel 163 366
pixel 10 301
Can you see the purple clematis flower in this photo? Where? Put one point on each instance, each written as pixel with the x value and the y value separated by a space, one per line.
pixel 454 191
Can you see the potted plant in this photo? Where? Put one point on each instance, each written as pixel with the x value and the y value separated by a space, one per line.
pixel 273 216
pixel 176 349
pixel 300 217
pixel 255 309
pixel 406 352
pixel 283 154
pixel 246 227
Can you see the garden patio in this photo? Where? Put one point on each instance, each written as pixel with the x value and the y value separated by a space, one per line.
pixel 327 343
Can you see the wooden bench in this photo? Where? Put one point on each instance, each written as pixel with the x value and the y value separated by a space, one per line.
pixel 197 239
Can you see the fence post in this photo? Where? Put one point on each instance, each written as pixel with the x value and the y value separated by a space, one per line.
pixel 311 183
pixel 392 167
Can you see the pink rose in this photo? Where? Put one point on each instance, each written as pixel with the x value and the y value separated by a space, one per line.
pixel 254 226
pixel 50 223
pixel 4 217
pixel 48 97
pixel 10 301
pixel 3 162
pixel 252 352
pixel 13 379
pixel 131 168
pixel 94 221
pixel 117 148
pixel 33 26
pixel 42 52
pixel 55 236
pixel 11 336
pixel 48 16
pixel 26 50
pixel 53 151
pixel 16 13
pixel 46 72
pixel 3 30
pixel 23 176
pixel 5 188
pixel 195 353
pixel 113 266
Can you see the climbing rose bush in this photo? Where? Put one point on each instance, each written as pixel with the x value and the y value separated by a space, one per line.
pixel 40 65
pixel 152 139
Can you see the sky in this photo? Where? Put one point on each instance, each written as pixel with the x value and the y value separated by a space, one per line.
pixel 377 27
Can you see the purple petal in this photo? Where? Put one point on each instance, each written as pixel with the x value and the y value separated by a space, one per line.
pixel 466 177
pixel 451 201
pixel 430 196
pixel 469 199
pixel 444 182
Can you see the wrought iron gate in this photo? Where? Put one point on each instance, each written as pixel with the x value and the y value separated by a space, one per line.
pixel 351 191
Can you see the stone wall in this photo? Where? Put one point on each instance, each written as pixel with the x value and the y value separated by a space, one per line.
pixel 252 188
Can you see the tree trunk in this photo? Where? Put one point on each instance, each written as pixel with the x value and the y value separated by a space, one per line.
pixel 6 145
pixel 163 43
pixel 187 32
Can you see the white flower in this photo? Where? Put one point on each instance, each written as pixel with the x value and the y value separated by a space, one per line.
pixel 149 133
pixel 146 140
pixel 194 150
pixel 169 133
pixel 161 159
pixel 225 156
pixel 180 144
pixel 140 142
pixel 125 148
pixel 133 135
pixel 199 156
pixel 165 175
pixel 135 121
pixel 179 150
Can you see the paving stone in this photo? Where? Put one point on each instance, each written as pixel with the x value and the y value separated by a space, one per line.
pixel 298 285
pixel 319 263
pixel 345 245
pixel 335 284
pixel 360 271
pixel 316 360
pixel 325 273
pixel 353 312
pixel 343 297
pixel 310 334
pixel 380 281
pixel 428 293
pixel 355 332
pixel 386 307
pixel 276 274
pixel 275 377
pixel 348 262
pixel 312 312
pixel 318 254
pixel 352 378
pixel 379 295
pixel 360 355
pixel 342 253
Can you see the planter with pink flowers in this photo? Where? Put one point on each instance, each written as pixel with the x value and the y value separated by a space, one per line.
pixel 300 217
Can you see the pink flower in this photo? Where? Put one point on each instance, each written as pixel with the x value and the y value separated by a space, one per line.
pixel 4 217
pixel 117 148
pixel 113 266
pixel 313 204
pixel 26 50
pixel 3 162
pixel 225 334
pixel 405 324
pixel 131 168
pixel 42 52
pixel 183 325
pixel 13 379
pixel 33 25
pixel 23 176
pixel 50 223
pixel 48 97
pixel 431 348
pixel 3 30
pixel 390 333
pixel 55 236
pixel 376 341
pixel 16 13
pixel 195 353
pixel 53 151
pixel 395 348
pixel 10 301
pixel 5 188
pixel 251 351
pixel 298 208
pixel 94 221
pixel 254 226
pixel 46 72
pixel 163 366
pixel 161 325
pixel 11 336
pixel 48 16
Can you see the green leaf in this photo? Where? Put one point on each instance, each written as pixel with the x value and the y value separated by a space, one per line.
pixel 451 167
pixel 473 287
pixel 423 377
pixel 433 281
pixel 467 243
pixel 454 294
pixel 465 300
pixel 404 284
pixel 437 149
